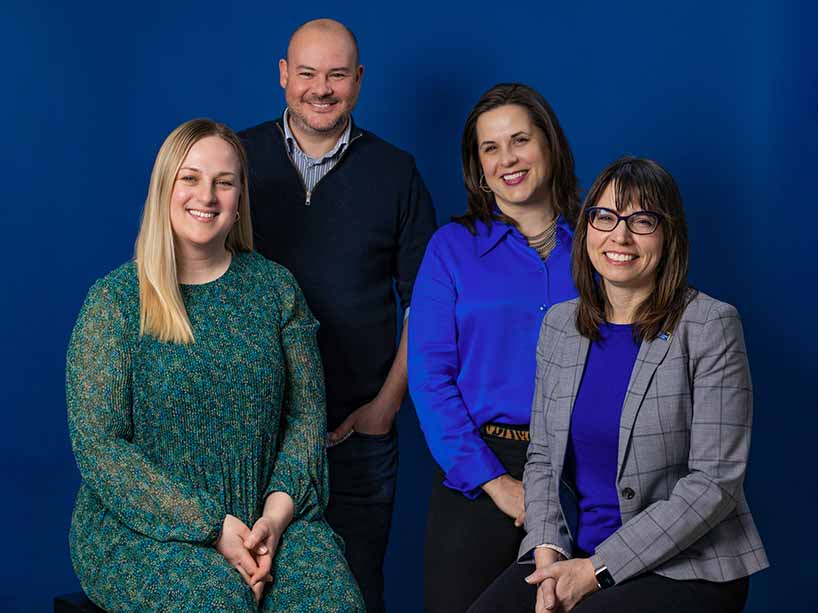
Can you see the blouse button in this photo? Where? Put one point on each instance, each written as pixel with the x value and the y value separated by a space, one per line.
pixel 628 493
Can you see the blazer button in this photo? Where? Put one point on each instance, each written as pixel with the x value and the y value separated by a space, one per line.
pixel 628 493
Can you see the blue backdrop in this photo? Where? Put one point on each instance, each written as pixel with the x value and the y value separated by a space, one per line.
pixel 722 93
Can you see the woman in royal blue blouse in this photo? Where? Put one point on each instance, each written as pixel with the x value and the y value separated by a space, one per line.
pixel 483 288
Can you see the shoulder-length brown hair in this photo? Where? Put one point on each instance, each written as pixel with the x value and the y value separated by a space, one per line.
pixel 564 184
pixel 162 311
pixel 648 186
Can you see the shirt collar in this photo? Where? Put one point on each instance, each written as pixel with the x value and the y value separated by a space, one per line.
pixel 489 236
pixel 292 143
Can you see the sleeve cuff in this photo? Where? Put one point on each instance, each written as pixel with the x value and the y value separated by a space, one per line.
pixel 556 548
pixel 551 535
pixel 282 481
pixel 527 557
pixel 469 474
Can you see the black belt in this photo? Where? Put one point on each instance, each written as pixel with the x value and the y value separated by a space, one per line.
pixel 510 432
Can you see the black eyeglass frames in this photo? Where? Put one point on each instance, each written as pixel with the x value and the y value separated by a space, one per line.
pixel 606 220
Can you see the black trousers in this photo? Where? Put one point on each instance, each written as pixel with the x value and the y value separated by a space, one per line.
pixel 363 473
pixel 648 593
pixel 468 542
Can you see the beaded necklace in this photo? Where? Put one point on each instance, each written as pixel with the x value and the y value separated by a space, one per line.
pixel 544 242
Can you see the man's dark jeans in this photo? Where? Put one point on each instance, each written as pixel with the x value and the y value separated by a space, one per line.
pixel 363 473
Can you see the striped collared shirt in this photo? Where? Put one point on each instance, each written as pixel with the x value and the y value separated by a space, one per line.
pixel 310 169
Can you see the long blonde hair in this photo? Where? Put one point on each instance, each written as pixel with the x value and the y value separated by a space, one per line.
pixel 162 312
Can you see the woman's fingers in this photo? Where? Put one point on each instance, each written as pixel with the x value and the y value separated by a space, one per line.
pixel 247 567
pixel 265 564
pixel 258 591
pixel 256 537
pixel 250 552
pixel 240 528
pixel 537 576
pixel 259 586
pixel 549 594
pixel 243 574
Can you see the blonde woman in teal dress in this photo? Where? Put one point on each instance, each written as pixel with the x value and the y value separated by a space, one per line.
pixel 196 411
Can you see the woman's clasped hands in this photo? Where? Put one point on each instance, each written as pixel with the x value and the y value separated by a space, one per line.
pixel 251 551
pixel 561 584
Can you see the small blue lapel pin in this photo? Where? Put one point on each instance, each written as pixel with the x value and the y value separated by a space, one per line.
pixel 665 336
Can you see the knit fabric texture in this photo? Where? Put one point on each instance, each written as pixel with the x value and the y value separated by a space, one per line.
pixel 170 438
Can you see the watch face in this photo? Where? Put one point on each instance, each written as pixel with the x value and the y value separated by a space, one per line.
pixel 604 578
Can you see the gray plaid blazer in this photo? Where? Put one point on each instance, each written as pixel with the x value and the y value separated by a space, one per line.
pixel 684 437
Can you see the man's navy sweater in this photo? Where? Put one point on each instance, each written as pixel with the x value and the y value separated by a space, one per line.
pixel 367 224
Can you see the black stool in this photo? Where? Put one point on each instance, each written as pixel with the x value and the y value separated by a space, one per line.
pixel 75 603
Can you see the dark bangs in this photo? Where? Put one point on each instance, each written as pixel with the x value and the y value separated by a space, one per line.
pixel 640 182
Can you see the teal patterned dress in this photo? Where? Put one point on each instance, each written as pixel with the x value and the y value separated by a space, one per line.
pixel 170 438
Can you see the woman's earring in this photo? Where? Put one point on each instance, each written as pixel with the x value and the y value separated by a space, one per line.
pixel 237 215
pixel 483 185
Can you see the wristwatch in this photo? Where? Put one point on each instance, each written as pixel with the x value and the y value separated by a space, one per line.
pixel 603 577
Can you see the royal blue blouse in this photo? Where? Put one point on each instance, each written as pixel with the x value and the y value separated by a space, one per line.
pixel 477 306
pixel 593 444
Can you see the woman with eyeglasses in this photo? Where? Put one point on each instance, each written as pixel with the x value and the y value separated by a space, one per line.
pixel 484 285
pixel 643 405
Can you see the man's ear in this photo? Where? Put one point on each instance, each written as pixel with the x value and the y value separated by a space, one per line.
pixel 282 73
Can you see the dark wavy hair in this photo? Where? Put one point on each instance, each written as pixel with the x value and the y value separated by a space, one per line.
pixel 564 184
pixel 646 185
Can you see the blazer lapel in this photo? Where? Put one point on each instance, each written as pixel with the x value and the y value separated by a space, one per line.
pixel 651 354
pixel 575 353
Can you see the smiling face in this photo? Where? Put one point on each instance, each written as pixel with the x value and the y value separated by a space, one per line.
pixel 514 157
pixel 321 80
pixel 205 195
pixel 624 260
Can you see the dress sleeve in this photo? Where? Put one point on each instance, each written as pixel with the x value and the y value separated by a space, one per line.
pixel 434 364
pixel 300 468
pixel 717 458
pixel 98 394
pixel 544 522
pixel 416 225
